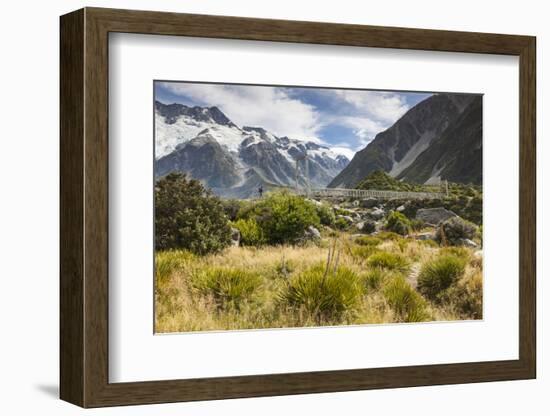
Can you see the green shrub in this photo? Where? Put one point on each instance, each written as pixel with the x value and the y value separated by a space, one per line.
pixel 325 214
pixel 228 287
pixel 439 274
pixel 387 260
pixel 251 233
pixel 231 208
pixel 398 223
pixel 367 241
pixel 381 181
pixel 369 226
pixel 341 224
pixel 408 305
pixel 187 216
pixel 246 210
pixel 283 217
pixel 453 230
pixel 342 211
pixel 324 294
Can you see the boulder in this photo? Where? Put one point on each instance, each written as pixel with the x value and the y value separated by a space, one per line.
pixel 377 213
pixel 235 237
pixel 363 215
pixel 434 216
pixel 456 231
pixel 312 233
pixel 368 202
pixel 400 208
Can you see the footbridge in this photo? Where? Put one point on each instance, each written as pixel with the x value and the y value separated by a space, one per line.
pixel 329 193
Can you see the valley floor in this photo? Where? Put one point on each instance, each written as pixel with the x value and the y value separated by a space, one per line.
pixel 341 280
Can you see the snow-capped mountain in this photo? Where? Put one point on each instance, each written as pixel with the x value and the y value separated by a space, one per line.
pixel 234 161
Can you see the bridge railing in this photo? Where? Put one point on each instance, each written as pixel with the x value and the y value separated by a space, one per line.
pixel 367 193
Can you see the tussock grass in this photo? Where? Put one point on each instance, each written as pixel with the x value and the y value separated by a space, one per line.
pixel 439 274
pixel 429 243
pixel 467 295
pixel 366 240
pixel 227 286
pixel 389 261
pixel 375 278
pixel 388 235
pixel 402 244
pixel 362 253
pixel 408 305
pixel 280 286
pixel 284 268
pixel 460 252
pixel 477 260
pixel 325 294
pixel 170 261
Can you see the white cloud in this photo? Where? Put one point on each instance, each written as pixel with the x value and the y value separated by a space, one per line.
pixel 382 106
pixel 365 128
pixel 266 107
pixel 365 113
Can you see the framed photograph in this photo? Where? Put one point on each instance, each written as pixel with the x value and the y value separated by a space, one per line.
pixel 256 207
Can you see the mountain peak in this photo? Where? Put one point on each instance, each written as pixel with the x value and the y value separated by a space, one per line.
pixel 219 117
pixel 233 161
pixel 172 112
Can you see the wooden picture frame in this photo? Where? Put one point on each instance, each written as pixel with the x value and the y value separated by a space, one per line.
pixel 84 207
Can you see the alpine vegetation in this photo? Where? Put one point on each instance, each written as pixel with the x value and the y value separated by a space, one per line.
pixel 279 207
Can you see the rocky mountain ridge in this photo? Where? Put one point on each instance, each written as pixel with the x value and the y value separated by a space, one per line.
pixel 438 139
pixel 235 161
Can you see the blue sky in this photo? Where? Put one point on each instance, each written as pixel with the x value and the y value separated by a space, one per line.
pixel 344 120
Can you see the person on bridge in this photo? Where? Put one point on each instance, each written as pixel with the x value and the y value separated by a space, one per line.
pixel 260 190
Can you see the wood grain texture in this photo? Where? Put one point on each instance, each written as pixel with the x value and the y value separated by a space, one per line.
pixel 71 100
pixel 528 208
pixel 96 208
pixel 84 205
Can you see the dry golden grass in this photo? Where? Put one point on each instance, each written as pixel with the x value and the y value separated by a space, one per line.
pixel 182 305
